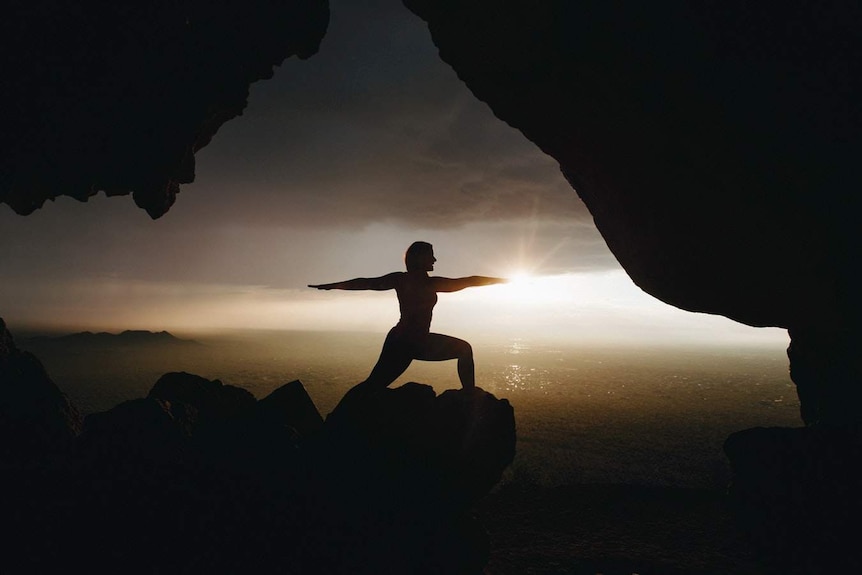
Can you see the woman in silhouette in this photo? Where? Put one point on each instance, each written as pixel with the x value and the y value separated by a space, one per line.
pixel 411 338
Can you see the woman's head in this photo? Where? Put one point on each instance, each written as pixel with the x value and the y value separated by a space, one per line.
pixel 419 257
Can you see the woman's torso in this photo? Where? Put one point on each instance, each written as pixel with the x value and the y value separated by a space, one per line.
pixel 416 300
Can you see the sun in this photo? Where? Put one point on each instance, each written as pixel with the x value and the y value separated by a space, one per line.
pixel 521 286
pixel 519 276
pixel 525 290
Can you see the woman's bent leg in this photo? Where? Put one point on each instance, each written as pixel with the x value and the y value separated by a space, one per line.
pixel 392 363
pixel 395 358
pixel 439 347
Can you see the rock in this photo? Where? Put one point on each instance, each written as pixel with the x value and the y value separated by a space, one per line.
pixel 143 496
pixel 476 437
pixel 411 465
pixel 457 444
pixel 38 423
pixel 177 71
pixel 145 433
pixel 182 482
pixel 825 366
pixel 795 492
pixel 211 398
pixel 228 431
pixel 290 407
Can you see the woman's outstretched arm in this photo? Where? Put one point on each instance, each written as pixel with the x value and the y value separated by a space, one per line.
pixel 456 284
pixel 378 284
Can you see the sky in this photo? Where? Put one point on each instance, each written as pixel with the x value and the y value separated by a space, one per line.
pixel 338 163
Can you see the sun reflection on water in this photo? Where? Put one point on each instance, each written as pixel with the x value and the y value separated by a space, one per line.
pixel 518 376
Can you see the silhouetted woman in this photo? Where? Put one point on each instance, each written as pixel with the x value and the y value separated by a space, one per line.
pixel 411 338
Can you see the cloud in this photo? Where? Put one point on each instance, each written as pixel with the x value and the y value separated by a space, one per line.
pixel 375 128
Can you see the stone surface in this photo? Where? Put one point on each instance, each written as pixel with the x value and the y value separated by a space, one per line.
pixel 137 434
pixel 412 464
pixel 267 486
pixel 796 494
pixel 289 406
pixel 211 398
pixel 119 96
pixel 475 433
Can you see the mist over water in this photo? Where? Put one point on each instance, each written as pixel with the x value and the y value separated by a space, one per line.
pixel 623 414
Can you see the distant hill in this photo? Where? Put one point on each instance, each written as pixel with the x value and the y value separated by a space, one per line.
pixel 126 338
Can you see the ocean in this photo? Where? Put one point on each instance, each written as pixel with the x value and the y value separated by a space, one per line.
pixel 645 415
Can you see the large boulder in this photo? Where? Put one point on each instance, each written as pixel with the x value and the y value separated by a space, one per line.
pixel 287 413
pixel 456 444
pixel 211 398
pixel 289 409
pixel 795 492
pixel 397 473
pixel 140 434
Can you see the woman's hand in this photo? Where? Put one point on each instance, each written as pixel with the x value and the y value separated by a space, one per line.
pixel 321 286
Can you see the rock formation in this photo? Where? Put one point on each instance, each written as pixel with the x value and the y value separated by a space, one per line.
pixel 38 423
pixel 202 477
pixel 796 493
pixel 118 97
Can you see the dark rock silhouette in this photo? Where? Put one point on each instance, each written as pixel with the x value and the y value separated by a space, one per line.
pixel 796 492
pixel 202 477
pixel 141 433
pixel 212 399
pixel 460 441
pixel 119 97
pixel 37 421
pixel 403 454
pixel 289 407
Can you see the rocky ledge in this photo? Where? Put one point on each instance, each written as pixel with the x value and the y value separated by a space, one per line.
pixel 202 477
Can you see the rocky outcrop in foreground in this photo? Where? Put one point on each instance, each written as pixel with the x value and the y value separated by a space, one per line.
pixel 202 477
pixel 38 423
pixel 796 493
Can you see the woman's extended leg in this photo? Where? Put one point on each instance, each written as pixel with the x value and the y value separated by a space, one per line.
pixel 439 347
pixel 395 358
